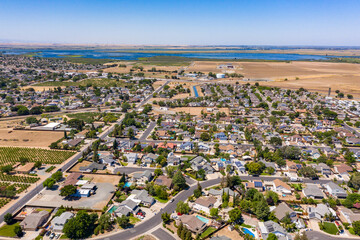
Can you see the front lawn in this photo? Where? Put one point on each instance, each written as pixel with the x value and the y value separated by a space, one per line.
pixel 160 200
pixel 8 230
pixel 207 232
pixel 330 228
pixel 134 220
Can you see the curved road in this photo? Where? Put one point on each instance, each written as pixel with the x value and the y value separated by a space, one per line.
pixel 156 220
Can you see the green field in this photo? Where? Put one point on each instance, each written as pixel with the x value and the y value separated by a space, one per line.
pixel 86 116
pixel 330 228
pixel 82 60
pixel 207 232
pixel 85 83
pixel 8 230
pixel 11 155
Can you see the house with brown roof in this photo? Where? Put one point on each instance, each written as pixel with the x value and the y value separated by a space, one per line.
pixel 281 187
pixel 343 169
pixel 192 223
pixel 72 179
pixel 25 169
pixel 164 181
pixel 204 204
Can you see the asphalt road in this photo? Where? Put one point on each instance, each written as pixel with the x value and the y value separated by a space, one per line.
pixel 147 131
pixel 162 234
pixel 156 220
pixel 316 235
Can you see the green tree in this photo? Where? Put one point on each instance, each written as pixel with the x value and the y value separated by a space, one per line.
pixel 272 198
pixel 205 136
pixel 38 164
pixel 57 176
pixel 165 217
pixel 7 169
pixel 23 160
pixel 253 168
pixel 31 120
pixel 272 236
pixel 214 212
pixel 49 183
pixel 276 141
pixel 262 210
pixel 8 218
pixel 182 207
pixel 308 172
pixel 179 181
pixel 198 191
pixel 123 221
pixel 68 190
pixel 158 172
pixel 18 231
pixel 356 226
pixel 81 226
pixel 235 215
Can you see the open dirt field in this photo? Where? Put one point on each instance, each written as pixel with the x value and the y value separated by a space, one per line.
pixel 21 138
pixel 314 76
pixel 39 88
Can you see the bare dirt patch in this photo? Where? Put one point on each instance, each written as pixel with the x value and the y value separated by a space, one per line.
pixel 191 110
pixel 20 138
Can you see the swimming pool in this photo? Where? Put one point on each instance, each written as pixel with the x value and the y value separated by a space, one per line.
pixel 195 91
pixel 247 231
pixel 205 220
pixel 113 209
pixel 127 184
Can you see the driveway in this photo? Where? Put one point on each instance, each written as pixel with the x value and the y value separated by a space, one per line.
pixel 161 234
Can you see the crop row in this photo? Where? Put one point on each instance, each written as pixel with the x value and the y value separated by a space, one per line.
pixel 10 155
pixel 18 179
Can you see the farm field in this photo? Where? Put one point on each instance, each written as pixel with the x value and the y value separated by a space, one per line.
pixel 19 138
pixel 314 76
pixel 11 155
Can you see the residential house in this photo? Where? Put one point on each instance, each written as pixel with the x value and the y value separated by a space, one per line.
pixel 201 163
pixel 220 136
pixel 281 187
pixel 347 215
pixel 131 157
pixel 254 184
pixel 313 191
pixel 142 197
pixel 192 223
pixel 204 204
pixel 164 181
pixel 319 211
pixel 272 227
pixel 149 159
pixel 127 207
pixel 335 190
pixel 282 210
pixel 93 166
pixel 322 168
pixel 34 220
pixel 141 178
pixel 220 192
pixel 57 224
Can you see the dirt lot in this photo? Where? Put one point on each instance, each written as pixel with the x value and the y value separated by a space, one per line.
pixel 314 76
pixel 230 234
pixel 21 138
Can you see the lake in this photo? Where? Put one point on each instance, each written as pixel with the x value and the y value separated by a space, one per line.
pixel 191 53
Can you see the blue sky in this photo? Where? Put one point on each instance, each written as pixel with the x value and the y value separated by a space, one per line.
pixel 197 22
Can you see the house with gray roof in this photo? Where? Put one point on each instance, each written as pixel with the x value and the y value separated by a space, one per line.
pixel 201 163
pixel 282 209
pixel 319 211
pixel 216 193
pixel 142 197
pixel 58 222
pixel 272 227
pixel 92 167
pixel 313 191
pixel 127 207
pixel 34 220
pixel 335 190
pixel 142 177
